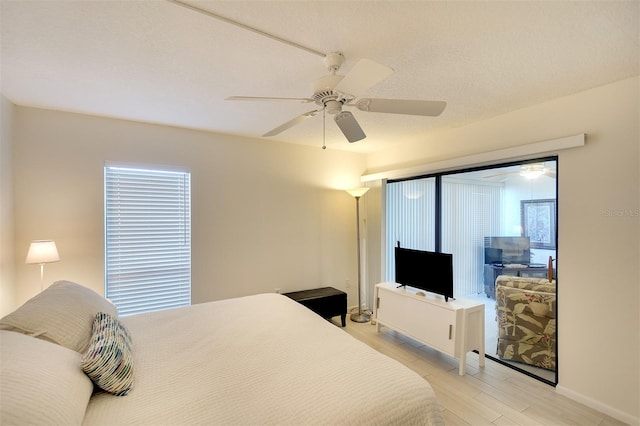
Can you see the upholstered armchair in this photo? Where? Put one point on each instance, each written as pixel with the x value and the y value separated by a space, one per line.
pixel 526 315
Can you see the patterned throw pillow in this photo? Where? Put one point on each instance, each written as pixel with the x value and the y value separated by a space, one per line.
pixel 109 359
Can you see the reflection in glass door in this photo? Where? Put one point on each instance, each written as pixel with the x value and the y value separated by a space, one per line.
pixel 498 221
pixel 502 222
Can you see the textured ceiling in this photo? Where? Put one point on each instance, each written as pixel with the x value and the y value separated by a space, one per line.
pixel 156 61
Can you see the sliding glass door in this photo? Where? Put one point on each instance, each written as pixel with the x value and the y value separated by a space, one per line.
pixel 494 221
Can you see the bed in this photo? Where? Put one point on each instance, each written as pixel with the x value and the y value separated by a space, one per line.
pixel 261 359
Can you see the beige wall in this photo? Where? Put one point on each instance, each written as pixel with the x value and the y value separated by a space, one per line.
pixel 265 215
pixel 7 282
pixel 599 231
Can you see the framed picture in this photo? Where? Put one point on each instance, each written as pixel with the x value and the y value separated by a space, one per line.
pixel 538 219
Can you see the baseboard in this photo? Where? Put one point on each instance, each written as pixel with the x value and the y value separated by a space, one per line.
pixel 597 405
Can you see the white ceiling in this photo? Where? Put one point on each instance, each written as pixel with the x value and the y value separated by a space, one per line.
pixel 156 61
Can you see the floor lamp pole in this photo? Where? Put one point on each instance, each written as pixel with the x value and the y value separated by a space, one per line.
pixel 360 316
pixel 41 276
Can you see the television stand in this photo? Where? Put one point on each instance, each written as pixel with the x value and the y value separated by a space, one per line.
pixel 454 328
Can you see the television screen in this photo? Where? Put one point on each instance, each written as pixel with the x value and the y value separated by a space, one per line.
pixel 514 250
pixel 492 256
pixel 425 270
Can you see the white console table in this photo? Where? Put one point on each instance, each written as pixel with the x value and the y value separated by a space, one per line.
pixel 454 327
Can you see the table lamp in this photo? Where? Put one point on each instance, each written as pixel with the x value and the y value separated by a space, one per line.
pixel 42 251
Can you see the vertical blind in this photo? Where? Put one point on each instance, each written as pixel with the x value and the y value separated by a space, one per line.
pixel 410 218
pixel 470 211
pixel 147 239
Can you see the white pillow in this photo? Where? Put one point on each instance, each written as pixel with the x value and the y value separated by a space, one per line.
pixel 40 382
pixel 62 314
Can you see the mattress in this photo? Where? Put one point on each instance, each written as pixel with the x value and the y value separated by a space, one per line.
pixel 261 359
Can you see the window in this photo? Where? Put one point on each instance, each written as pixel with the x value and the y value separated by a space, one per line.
pixel 147 239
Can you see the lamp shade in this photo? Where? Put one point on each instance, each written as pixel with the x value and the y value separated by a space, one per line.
pixel 358 192
pixel 42 251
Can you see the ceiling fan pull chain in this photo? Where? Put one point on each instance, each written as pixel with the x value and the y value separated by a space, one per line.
pixel 324 122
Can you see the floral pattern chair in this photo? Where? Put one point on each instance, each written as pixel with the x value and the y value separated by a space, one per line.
pixel 526 315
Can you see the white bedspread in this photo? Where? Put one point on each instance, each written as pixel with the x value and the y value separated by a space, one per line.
pixel 260 359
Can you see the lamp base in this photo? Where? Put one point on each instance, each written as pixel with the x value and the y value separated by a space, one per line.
pixel 360 317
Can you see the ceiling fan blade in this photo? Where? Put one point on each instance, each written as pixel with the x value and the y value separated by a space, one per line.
pixel 498 175
pixel 349 126
pixel 362 76
pixel 291 123
pixel 263 98
pixel 402 106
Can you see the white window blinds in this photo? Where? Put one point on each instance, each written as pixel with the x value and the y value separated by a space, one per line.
pixel 147 239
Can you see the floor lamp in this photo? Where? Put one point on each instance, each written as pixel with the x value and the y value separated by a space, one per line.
pixel 357 193
pixel 42 251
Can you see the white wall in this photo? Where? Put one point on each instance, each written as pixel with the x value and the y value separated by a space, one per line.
pixel 599 231
pixel 7 257
pixel 517 190
pixel 265 215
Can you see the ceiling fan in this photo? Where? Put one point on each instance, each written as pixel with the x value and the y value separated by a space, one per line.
pixel 527 171
pixel 333 92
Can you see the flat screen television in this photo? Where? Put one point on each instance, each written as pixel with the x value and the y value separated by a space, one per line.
pixel 492 256
pixel 425 270
pixel 506 250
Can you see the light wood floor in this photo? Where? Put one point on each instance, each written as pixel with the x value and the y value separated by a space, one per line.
pixel 494 395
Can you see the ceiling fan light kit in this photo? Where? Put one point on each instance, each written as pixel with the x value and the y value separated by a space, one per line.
pixel 333 106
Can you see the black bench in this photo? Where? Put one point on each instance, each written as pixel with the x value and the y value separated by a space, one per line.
pixel 327 302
